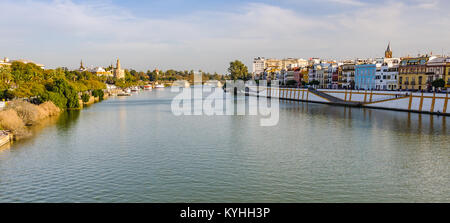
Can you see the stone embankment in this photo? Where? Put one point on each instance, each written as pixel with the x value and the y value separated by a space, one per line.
pixel 431 103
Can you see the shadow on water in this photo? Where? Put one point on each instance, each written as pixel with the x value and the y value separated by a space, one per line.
pixel 63 122
pixel 67 119
pixel 404 122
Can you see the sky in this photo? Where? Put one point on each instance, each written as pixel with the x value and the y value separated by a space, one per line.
pixel 206 35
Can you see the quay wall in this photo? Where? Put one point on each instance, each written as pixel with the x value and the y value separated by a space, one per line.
pixel 433 103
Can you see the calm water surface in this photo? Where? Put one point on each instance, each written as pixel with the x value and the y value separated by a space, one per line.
pixel 135 150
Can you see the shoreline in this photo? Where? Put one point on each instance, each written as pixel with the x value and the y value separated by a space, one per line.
pixel 25 130
pixel 423 103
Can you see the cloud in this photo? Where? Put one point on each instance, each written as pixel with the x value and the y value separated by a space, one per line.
pixel 60 33
pixel 348 2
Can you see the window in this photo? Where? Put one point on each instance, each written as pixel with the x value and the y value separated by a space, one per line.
pixel 420 80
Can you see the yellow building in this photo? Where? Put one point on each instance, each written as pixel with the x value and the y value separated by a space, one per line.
pixel 412 73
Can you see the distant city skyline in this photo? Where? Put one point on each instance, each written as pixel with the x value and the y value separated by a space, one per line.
pixel 208 35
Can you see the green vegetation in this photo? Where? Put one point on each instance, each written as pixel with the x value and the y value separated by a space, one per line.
pixel 291 83
pixel 85 98
pixel 314 82
pixel 439 83
pixel 60 86
pixel 98 93
pixel 65 88
pixel 238 71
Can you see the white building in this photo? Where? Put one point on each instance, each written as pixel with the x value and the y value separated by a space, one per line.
pixel 386 73
pixel 29 61
pixel 100 71
pixel 258 67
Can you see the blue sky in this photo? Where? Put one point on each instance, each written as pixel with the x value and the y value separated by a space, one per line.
pixel 207 35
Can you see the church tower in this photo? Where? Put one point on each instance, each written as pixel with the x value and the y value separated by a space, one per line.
pixel 388 52
pixel 82 68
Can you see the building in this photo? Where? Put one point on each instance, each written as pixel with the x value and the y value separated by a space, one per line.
pixel 301 75
pixel 100 71
pixel 258 67
pixel 447 73
pixel 118 72
pixel 412 73
pixel 5 62
pixel 436 69
pixel 388 52
pixel 365 76
pixel 265 68
pixel 82 68
pixel 348 75
pixel 386 77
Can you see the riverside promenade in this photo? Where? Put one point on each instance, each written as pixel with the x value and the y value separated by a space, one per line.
pixel 431 103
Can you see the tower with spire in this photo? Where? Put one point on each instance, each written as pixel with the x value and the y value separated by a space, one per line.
pixel 388 52
pixel 82 68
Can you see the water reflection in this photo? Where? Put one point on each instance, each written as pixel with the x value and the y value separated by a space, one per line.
pixel 135 150
pixel 68 119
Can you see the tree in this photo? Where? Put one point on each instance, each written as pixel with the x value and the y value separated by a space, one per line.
pixel 238 70
pixel 291 83
pixel 439 83
pixel 5 74
pixel 314 82
pixel 85 98
pixel 98 93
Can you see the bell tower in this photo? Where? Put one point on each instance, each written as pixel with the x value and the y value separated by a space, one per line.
pixel 388 52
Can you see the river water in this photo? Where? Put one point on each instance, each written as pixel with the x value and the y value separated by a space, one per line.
pixel 135 150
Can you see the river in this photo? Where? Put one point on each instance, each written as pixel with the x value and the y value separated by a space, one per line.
pixel 134 149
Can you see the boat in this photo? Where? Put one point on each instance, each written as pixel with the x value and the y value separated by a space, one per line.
pixel 159 86
pixel 148 87
pixel 126 92
pixel 134 89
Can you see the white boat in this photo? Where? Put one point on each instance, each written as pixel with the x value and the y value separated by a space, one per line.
pixel 159 86
pixel 135 89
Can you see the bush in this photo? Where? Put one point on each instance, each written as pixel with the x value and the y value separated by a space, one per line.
pixel 98 93
pixel 57 99
pixel 85 98
pixel 291 83
pixel 28 112
pixel 62 87
pixel 11 121
pixel 19 113
pixel 6 94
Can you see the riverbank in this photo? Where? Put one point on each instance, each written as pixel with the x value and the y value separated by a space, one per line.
pixel 18 115
pixel 427 103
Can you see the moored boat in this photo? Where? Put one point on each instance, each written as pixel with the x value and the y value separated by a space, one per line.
pixel 148 87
